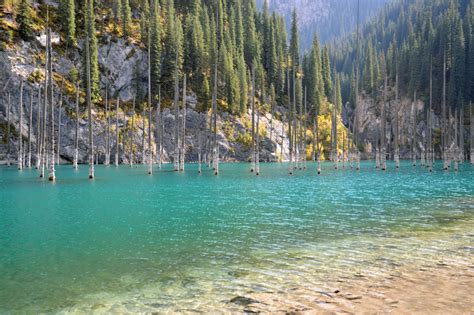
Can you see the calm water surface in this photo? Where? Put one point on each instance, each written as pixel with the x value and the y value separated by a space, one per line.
pixel 128 242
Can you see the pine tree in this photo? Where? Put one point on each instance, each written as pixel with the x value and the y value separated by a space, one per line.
pixel 24 19
pixel 94 54
pixel 155 43
pixel 144 21
pixel 326 72
pixel 68 20
pixel 294 42
pixel 126 18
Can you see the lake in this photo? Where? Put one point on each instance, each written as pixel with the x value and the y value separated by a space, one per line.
pixel 129 242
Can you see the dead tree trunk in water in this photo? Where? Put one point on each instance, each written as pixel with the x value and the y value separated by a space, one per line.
pixel 443 117
pixel 150 109
pixel 76 136
pixel 383 163
pixel 397 123
pixel 38 131
pixel 305 128
pixel 143 160
pixel 252 168
pixel 414 145
pixel 117 131
pixel 471 123
pixel 8 129
pixel 89 105
pixel 430 153
pixel 20 137
pixel 132 134
pixel 107 136
pixel 290 136
pixel 183 133
pixel 52 171
pixel 59 122
pixel 176 116
pixel 30 127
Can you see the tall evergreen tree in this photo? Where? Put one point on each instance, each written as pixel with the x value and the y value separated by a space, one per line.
pixel 24 19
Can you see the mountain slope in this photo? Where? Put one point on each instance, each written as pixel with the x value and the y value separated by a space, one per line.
pixel 328 18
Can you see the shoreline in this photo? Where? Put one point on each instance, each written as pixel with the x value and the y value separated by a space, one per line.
pixel 432 289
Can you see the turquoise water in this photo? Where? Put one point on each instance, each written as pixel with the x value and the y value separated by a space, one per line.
pixel 128 242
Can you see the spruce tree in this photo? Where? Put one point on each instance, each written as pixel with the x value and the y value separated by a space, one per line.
pixel 24 19
pixel 326 72
pixel 126 18
pixel 155 49
pixel 94 54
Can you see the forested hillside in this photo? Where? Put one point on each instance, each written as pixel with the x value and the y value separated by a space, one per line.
pixel 329 19
pixel 414 37
pixel 234 59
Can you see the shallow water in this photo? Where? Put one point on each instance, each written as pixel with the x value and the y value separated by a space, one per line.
pixel 128 242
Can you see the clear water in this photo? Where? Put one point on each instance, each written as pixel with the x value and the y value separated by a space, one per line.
pixel 128 242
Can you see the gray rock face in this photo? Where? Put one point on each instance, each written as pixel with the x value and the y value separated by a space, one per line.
pixel 119 61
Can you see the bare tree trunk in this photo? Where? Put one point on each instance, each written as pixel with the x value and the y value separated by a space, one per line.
pixel 150 109
pixel 314 137
pixel 107 117
pixel 461 135
pixel 38 131
pixel 132 134
pixel 117 144
pixel 383 136
pixel 272 112
pixel 252 167
pixel 89 105
pixel 200 150
pixel 143 159
pixel 295 130
pixel 45 115
pixel 305 128
pixel 183 141
pixel 20 134
pixel 8 129
pixel 52 171
pixel 176 116
pixel 290 136
pixel 159 134
pixel 318 151
pixel 430 155
pixel 76 135
pixel 58 145
pixel 414 113
pixel 30 127
pixel 443 117
pixel 334 152
pixel 456 141
pixel 471 123
pixel 257 146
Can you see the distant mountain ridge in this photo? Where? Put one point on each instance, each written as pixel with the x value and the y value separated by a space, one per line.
pixel 330 19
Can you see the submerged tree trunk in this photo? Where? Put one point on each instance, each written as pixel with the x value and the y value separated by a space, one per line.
pixel 132 134
pixel 76 134
pixel 30 127
pixel 117 148
pixel 183 133
pixel 252 167
pixel 414 112
pixel 150 109
pixel 383 165
pixel 107 135
pixel 38 131
pixel 290 136
pixel 176 116
pixel 443 118
pixel 89 105
pixel 257 146
pixel 20 137
pixel 471 123
pixel 58 146
pixel 8 129
pixel 52 171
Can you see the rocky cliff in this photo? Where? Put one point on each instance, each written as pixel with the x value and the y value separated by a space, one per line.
pixel 119 60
